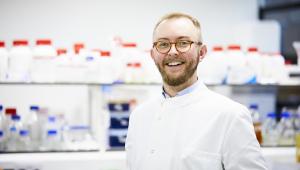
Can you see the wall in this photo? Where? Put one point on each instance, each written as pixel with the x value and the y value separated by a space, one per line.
pixel 95 22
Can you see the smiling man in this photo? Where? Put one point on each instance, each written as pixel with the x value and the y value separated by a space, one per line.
pixel 188 127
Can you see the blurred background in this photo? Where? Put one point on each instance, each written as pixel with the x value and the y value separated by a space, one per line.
pixel 72 71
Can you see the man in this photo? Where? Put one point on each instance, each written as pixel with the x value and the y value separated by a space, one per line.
pixel 188 127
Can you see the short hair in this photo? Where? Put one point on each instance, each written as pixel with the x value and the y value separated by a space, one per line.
pixel 179 15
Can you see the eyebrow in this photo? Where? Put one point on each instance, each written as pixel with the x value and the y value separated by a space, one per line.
pixel 181 37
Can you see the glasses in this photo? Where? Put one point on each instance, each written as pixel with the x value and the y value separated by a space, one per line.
pixel 181 46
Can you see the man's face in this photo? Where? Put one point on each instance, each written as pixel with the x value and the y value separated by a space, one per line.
pixel 175 67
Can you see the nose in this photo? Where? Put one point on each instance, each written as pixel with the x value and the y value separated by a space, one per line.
pixel 173 50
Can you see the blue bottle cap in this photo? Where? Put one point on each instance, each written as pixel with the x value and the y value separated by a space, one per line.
pixel 15 117
pixel 24 132
pixel 285 114
pixel 51 118
pixel 1 107
pixel 271 115
pixel 51 132
pixel 253 106
pixel 34 108
pixel 1 133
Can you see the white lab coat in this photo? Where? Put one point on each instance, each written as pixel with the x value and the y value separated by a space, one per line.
pixel 201 130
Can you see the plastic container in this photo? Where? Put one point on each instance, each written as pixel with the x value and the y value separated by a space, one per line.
pixel 273 70
pixel 3 61
pixel 20 60
pixel 254 62
pixel 238 72
pixel 213 68
pixel 43 61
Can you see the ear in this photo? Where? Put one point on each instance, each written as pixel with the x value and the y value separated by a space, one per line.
pixel 151 53
pixel 202 52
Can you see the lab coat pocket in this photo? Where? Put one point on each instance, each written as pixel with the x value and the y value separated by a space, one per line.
pixel 192 159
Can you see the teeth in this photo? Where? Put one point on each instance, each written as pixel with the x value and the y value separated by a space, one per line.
pixel 174 63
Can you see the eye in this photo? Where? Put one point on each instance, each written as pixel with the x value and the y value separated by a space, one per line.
pixel 183 43
pixel 162 44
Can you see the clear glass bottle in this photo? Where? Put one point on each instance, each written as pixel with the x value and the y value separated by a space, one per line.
pixel 256 122
pixel 24 143
pixel 286 130
pixel 270 131
pixel 13 133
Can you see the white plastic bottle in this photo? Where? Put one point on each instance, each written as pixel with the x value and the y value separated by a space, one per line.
pixel 13 133
pixel 129 54
pixel 3 61
pixel 213 68
pixel 273 70
pixel 254 62
pixel 43 61
pixel 238 72
pixel 19 61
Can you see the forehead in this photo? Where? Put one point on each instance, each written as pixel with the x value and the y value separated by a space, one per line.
pixel 174 28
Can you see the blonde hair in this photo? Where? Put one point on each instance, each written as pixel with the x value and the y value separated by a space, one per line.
pixel 180 15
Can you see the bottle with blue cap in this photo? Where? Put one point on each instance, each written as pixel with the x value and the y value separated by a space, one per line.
pixel 286 129
pixel 13 133
pixel 32 124
pixel 270 130
pixel 51 135
pixel 24 143
pixel 2 129
pixel 253 108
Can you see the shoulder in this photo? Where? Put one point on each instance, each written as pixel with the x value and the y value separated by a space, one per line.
pixel 227 106
pixel 147 106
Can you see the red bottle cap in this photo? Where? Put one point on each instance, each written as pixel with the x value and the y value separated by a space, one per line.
pixel 252 49
pixel 20 42
pixel 2 44
pixel 43 42
pixel 129 44
pixel 234 47
pixel 217 48
pixel 61 51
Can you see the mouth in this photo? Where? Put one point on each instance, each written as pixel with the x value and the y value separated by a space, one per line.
pixel 174 63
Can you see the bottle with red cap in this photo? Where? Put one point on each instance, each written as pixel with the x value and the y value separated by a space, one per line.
pixel 129 54
pixel 3 61
pixel 19 61
pixel 238 72
pixel 43 61
pixel 109 67
pixel 254 62
pixel 213 68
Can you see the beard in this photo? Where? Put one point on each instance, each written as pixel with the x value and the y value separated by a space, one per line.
pixel 189 70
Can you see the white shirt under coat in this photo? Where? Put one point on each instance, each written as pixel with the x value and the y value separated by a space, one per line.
pixel 200 130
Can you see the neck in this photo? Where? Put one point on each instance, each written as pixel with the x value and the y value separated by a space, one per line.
pixel 173 90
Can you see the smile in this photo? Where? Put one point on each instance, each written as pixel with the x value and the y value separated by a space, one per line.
pixel 175 63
